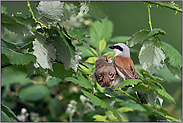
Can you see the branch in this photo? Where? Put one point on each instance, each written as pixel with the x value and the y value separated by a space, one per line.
pixel 167 5
pixel 147 106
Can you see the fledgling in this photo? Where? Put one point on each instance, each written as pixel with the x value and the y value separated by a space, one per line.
pixel 105 73
pixel 124 65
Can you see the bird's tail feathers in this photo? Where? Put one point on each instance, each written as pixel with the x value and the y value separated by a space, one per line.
pixel 143 100
pixel 106 82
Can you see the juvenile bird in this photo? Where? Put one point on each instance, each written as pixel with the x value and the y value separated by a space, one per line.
pixel 105 73
pixel 124 65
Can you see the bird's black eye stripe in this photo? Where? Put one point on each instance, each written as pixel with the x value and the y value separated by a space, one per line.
pixel 118 47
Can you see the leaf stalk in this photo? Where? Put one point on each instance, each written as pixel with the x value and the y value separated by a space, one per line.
pixel 149 13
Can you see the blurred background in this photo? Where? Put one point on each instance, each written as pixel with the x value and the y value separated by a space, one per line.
pixel 129 17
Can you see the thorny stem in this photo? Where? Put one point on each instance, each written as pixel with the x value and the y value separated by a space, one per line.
pixel 146 106
pixel 150 24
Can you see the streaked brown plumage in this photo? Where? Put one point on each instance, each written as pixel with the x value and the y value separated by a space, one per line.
pixel 105 73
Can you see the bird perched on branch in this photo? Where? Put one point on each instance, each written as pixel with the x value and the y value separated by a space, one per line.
pixel 105 73
pixel 124 65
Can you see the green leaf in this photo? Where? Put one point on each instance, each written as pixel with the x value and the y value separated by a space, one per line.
pixel 151 95
pixel 167 75
pixel 130 82
pixel 124 109
pixel 87 70
pixel 31 70
pixel 54 106
pixel 67 42
pixel 163 94
pixel 151 57
pixel 18 58
pixel 157 84
pixel 3 9
pixel 53 81
pixel 102 45
pixel 100 118
pixel 97 10
pixel 97 102
pixel 25 20
pixel 63 51
pixel 44 52
pixel 9 113
pixel 140 88
pixel 91 60
pixel 51 12
pixel 33 92
pixel 156 31
pixel 4 117
pixel 174 57
pixel 100 31
pixel 111 54
pixel 91 50
pixel 134 106
pixel 147 74
pixel 9 23
pixel 8 45
pixel 177 72
pixel 120 39
pixel 14 77
pixel 78 34
pixel 4 60
pixel 138 37
pixel 60 72
pixel 81 81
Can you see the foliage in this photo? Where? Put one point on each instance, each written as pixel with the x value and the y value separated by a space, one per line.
pixel 57 46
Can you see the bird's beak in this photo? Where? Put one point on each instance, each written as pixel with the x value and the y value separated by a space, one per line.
pixel 111 47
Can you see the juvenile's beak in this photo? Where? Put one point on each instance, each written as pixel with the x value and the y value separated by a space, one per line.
pixel 111 47
pixel 110 58
pixel 108 55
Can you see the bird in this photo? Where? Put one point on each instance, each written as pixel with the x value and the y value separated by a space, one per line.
pixel 124 65
pixel 105 73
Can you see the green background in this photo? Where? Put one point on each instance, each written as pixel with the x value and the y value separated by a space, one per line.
pixel 129 17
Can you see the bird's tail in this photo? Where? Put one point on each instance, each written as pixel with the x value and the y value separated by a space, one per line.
pixel 139 94
pixel 143 100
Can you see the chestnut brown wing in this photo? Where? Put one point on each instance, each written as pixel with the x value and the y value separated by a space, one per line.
pixel 125 66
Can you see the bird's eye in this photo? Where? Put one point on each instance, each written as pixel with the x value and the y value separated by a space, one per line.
pixel 106 59
pixel 120 48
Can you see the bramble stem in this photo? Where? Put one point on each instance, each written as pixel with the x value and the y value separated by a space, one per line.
pixel 30 9
pixel 41 25
pixel 150 24
pixel 146 106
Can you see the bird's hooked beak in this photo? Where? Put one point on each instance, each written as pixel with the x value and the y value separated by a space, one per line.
pixel 111 47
